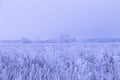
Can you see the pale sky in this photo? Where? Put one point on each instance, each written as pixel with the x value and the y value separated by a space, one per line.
pixel 46 19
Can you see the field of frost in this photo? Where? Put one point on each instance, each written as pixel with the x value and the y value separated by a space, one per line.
pixel 60 62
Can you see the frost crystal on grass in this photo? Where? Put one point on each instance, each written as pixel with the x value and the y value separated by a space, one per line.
pixel 60 62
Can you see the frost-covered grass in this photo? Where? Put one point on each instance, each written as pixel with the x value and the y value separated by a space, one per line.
pixel 60 62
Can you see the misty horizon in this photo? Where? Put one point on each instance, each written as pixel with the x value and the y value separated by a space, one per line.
pixel 49 19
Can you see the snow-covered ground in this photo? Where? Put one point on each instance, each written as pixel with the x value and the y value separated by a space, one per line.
pixel 60 61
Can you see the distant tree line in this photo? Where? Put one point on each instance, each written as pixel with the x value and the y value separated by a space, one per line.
pixel 60 39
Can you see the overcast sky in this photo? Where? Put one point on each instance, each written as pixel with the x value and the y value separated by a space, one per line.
pixel 50 18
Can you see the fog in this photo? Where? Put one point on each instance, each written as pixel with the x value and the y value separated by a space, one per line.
pixel 46 19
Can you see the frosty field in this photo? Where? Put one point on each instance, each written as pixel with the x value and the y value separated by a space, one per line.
pixel 60 61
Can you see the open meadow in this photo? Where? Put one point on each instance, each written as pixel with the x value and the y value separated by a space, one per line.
pixel 85 61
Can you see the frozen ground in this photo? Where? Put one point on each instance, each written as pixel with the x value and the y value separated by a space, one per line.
pixel 60 61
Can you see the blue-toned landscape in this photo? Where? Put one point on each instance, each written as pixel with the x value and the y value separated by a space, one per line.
pixel 65 61
pixel 59 39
